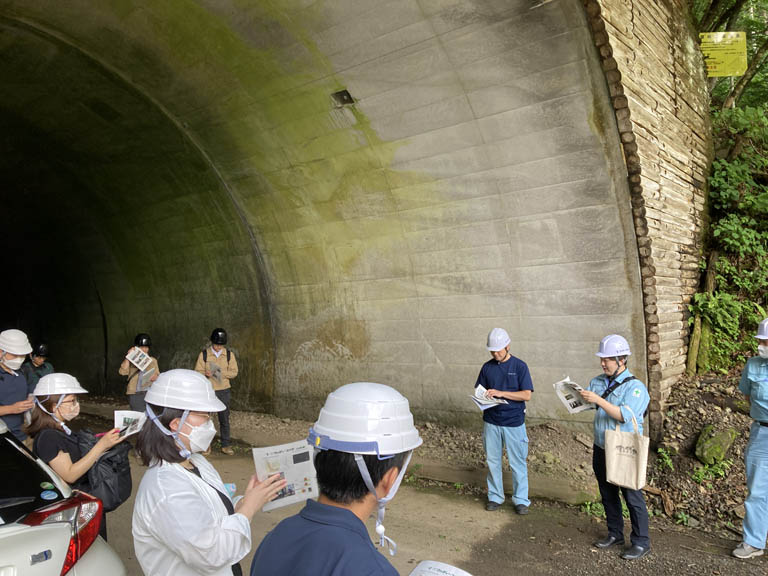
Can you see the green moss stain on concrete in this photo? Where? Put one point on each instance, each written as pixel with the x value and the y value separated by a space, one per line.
pixel 273 111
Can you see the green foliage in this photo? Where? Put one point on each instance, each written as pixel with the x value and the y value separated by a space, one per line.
pixel 738 197
pixel 664 460
pixel 593 509
pixel 412 476
pixel 711 472
pixel 752 19
pixel 682 518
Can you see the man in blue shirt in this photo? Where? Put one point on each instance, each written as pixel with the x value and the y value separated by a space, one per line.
pixel 505 377
pixel 14 398
pixel 364 438
pixel 754 384
pixel 618 396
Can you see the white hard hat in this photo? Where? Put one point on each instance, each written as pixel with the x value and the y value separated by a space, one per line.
pixel 762 330
pixel 497 339
pixel 184 390
pixel 58 383
pixel 15 342
pixel 613 345
pixel 365 418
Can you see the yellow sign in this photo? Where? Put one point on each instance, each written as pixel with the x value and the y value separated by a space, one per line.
pixel 725 53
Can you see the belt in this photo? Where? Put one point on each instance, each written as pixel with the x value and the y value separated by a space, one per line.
pixel 762 423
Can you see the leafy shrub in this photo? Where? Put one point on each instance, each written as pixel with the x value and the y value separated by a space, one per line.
pixel 738 197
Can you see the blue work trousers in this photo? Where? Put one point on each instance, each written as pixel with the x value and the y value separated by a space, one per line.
pixel 516 440
pixel 755 523
pixel 609 494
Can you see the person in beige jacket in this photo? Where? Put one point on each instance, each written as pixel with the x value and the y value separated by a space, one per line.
pixel 220 365
pixel 136 396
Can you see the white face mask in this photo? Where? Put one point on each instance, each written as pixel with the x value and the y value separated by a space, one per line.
pixel 200 437
pixel 14 363
pixel 761 350
pixel 73 413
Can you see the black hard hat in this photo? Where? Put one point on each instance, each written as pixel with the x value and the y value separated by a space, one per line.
pixel 40 350
pixel 142 339
pixel 219 336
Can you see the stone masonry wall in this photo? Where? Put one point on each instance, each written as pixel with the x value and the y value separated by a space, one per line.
pixel 656 81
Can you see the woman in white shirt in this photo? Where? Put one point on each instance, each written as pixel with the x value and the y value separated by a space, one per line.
pixel 184 521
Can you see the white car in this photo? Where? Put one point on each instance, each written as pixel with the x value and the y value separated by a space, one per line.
pixel 46 528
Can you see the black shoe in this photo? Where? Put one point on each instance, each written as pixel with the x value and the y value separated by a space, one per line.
pixel 521 509
pixel 491 506
pixel 635 552
pixel 608 542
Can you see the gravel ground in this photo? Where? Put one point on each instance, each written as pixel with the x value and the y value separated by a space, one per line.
pixel 715 504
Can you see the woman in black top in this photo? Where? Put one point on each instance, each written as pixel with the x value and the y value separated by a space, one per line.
pixel 54 443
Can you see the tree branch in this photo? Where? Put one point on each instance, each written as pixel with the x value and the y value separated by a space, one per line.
pixel 726 16
pixel 758 60
pixel 714 10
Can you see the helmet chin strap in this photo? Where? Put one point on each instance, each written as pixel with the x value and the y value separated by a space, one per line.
pixel 382 502
pixel 619 369
pixel 183 452
pixel 53 415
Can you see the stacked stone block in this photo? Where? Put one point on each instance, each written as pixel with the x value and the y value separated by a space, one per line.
pixel 655 76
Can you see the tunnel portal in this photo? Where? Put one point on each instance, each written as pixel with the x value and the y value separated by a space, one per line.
pixel 354 190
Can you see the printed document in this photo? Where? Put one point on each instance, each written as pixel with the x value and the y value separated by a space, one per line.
pixel 138 358
pixel 481 399
pixel 144 381
pixel 129 422
pixel 215 371
pixel 294 462
pixel 568 392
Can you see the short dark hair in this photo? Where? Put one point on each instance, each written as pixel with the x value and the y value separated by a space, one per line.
pixel 152 445
pixel 339 479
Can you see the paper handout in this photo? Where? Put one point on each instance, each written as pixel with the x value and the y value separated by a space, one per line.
pixel 215 371
pixel 481 399
pixel 568 393
pixel 430 568
pixel 144 381
pixel 138 358
pixel 129 422
pixel 294 463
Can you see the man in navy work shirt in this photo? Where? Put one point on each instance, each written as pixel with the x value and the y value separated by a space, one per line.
pixel 14 400
pixel 363 438
pixel 507 377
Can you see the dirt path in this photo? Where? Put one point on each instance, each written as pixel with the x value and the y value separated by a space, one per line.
pixel 439 524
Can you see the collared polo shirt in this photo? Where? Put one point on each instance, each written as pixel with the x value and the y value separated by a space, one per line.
pixel 509 376
pixel 321 540
pixel 631 397
pixel 754 383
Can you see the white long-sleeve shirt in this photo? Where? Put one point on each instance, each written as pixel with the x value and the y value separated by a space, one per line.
pixel 180 525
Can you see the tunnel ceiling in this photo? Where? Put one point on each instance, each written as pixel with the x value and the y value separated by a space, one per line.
pixel 194 169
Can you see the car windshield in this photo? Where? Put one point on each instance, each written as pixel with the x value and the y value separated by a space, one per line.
pixel 24 485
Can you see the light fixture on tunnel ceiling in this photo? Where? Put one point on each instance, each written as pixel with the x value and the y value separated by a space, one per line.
pixel 342 98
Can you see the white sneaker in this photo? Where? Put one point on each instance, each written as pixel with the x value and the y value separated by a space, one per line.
pixel 745 551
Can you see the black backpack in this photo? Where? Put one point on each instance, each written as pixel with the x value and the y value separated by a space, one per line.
pixel 110 477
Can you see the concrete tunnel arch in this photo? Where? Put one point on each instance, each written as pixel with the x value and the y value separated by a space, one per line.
pixel 477 180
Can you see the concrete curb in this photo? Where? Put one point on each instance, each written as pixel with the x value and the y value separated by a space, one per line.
pixel 540 486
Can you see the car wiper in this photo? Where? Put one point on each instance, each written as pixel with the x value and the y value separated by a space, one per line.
pixel 9 502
